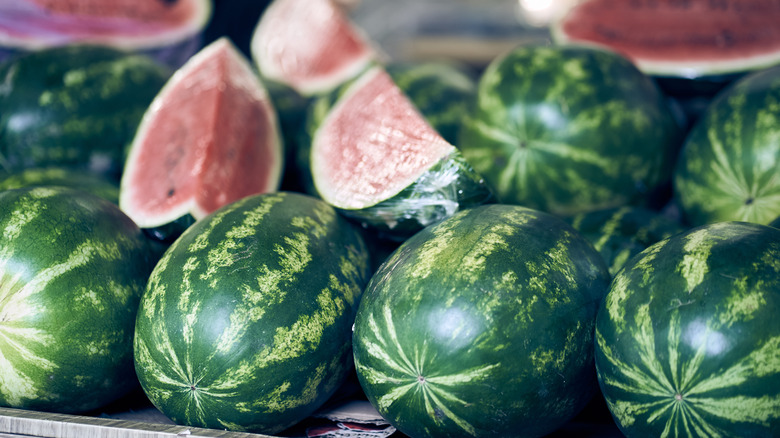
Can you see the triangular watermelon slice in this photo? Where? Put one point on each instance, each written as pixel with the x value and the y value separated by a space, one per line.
pixel 311 46
pixel 209 138
pixel 376 158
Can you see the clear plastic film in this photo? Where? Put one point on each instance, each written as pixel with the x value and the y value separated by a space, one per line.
pixel 447 187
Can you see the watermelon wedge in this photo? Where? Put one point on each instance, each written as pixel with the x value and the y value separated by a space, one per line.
pixel 690 38
pixel 311 46
pixel 169 30
pixel 209 137
pixel 376 158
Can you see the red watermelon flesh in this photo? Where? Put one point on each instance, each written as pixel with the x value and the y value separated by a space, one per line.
pixel 680 38
pixel 32 24
pixel 373 144
pixel 309 45
pixel 209 138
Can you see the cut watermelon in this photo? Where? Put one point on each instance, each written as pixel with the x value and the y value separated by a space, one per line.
pixel 210 137
pixel 169 30
pixel 688 39
pixel 309 45
pixel 375 157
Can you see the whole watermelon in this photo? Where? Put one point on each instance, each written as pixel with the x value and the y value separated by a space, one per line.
pixel 568 129
pixel 482 325
pixel 76 106
pixel 620 233
pixel 727 169
pixel 73 268
pixel 246 321
pixel 687 338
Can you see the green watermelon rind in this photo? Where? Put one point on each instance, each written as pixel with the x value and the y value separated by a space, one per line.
pixel 622 232
pixel 727 167
pixel 687 335
pixel 74 270
pixel 62 176
pixel 570 129
pixel 245 323
pixel 74 106
pixel 482 325
pixel 449 186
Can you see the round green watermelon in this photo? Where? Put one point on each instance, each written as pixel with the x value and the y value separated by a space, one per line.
pixel 73 269
pixel 62 176
pixel 687 338
pixel 246 320
pixel 76 106
pixel 570 129
pixel 727 169
pixel 482 325
pixel 620 233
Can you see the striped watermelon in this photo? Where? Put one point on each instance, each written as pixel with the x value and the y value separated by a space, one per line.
pixel 622 232
pixel 74 106
pixel 482 325
pixel 688 335
pixel 62 176
pixel 727 169
pixel 569 129
pixel 73 268
pixel 376 158
pixel 246 321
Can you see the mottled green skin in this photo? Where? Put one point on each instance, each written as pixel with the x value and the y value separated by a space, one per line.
pixel 569 129
pixel 727 169
pixel 482 325
pixel 442 92
pixel 73 268
pixel 622 232
pixel 62 176
pixel 688 336
pixel 75 106
pixel 246 320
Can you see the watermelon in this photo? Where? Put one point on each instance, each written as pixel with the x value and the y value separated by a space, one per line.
pixel 210 137
pixel 727 169
pixel 246 321
pixel 482 325
pixel 74 106
pixel 441 91
pixel 672 38
pixel 62 176
pixel 375 158
pixel 620 233
pixel 73 270
pixel 570 129
pixel 311 46
pixel 687 337
pixel 168 30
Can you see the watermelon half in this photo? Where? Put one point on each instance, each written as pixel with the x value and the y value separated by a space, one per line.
pixel 210 137
pixel 688 39
pixel 376 158
pixel 168 30
pixel 311 46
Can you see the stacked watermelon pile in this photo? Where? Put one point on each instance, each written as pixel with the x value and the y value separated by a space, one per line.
pixel 488 251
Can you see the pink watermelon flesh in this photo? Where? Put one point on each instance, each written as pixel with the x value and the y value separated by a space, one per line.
pixel 309 45
pixel 32 24
pixel 680 38
pixel 373 144
pixel 209 138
